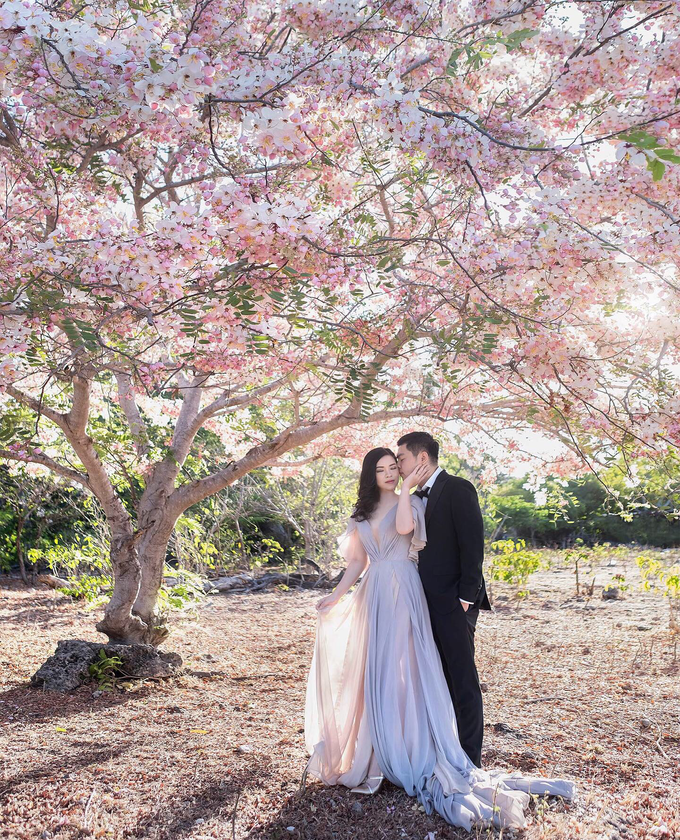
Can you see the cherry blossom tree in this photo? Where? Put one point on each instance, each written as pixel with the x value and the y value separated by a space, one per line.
pixel 256 229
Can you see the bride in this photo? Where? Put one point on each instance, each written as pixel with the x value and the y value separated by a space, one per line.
pixel 378 704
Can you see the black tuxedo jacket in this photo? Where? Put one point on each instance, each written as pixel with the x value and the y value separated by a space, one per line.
pixel 450 565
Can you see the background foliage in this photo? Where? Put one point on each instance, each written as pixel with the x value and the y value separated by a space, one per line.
pixel 293 521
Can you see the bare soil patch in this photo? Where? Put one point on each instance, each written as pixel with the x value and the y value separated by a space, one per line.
pixel 587 689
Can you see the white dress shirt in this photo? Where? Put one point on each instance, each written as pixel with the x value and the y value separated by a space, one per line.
pixel 429 484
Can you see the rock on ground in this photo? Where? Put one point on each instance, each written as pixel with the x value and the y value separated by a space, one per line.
pixel 69 666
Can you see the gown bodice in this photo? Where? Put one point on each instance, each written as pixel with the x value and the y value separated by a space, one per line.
pixel 382 542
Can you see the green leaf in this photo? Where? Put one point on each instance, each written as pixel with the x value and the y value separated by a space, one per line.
pixel 80 333
pixel 489 342
pixel 657 168
pixel 156 66
pixel 453 59
pixel 668 155
pixel 640 139
pixel 514 40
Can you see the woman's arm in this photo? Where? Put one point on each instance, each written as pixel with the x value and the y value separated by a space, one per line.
pixel 352 573
pixel 357 563
pixel 404 520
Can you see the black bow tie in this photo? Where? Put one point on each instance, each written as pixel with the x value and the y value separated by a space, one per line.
pixel 422 494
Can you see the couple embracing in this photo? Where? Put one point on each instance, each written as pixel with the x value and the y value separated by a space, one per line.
pixel 393 690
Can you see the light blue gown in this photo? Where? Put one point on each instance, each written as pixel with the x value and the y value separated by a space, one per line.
pixel 378 702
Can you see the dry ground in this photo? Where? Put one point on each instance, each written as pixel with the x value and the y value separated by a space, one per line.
pixel 586 689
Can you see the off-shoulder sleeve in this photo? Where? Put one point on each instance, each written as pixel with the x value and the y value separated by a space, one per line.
pixel 419 538
pixel 350 545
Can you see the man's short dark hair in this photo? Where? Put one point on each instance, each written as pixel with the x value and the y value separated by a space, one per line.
pixel 417 442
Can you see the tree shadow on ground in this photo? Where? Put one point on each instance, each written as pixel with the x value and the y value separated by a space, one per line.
pixel 28 704
pixel 335 813
pixel 61 765
pixel 15 584
pixel 45 616
pixel 204 675
pixel 177 815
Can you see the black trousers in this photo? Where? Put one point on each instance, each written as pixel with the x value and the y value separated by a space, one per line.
pixel 454 635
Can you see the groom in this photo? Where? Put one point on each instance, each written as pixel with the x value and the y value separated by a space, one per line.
pixel 450 568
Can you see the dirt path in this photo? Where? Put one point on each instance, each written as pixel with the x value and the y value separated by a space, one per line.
pixel 584 689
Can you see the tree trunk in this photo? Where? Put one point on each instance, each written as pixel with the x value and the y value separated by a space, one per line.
pixel 310 543
pixel 130 616
pixel 241 542
pixel 119 623
pixel 20 552
pixel 138 562
pixel 152 553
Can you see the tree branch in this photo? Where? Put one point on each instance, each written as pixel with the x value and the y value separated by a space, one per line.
pixel 658 206
pixel 548 89
pixel 103 144
pixel 173 185
pixel 74 426
pixel 131 410
pixel 10 132
pixel 294 436
pixel 262 454
pixel 38 406
pixel 426 59
pixel 228 403
pixel 50 464
pixel 484 132
pixel 481 189
pixel 80 407
pixel 185 428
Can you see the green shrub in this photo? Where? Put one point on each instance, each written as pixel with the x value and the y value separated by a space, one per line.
pixel 83 563
pixel 184 589
pixel 655 576
pixel 513 563
pixel 105 670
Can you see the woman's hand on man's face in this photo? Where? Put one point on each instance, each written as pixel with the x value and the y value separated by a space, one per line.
pixel 416 477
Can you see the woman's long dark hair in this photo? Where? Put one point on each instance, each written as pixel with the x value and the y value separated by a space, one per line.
pixel 369 494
